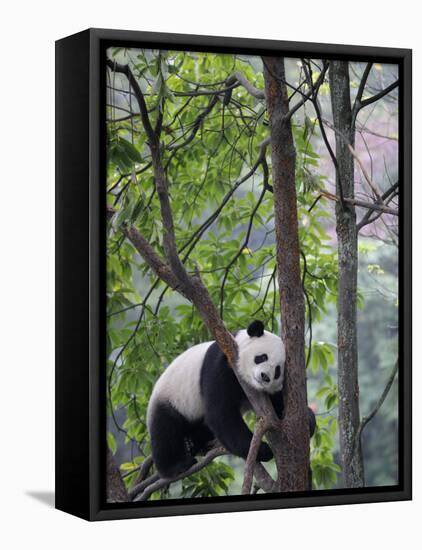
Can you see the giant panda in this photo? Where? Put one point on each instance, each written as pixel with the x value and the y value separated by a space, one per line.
pixel 198 400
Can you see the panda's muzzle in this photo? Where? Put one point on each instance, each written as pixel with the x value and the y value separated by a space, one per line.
pixel 265 378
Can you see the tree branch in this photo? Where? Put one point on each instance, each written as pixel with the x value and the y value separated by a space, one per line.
pixel 366 175
pixel 125 69
pixel 242 248
pixel 261 427
pixel 143 470
pixel 379 95
pixel 356 202
pixel 263 478
pixel 211 219
pixel 140 487
pixel 160 482
pixel 313 92
pixel 197 93
pixel 160 268
pixel 346 141
pixel 237 79
pixel 196 125
pixel 308 72
pixel 357 103
pixel 387 196
pixel 366 419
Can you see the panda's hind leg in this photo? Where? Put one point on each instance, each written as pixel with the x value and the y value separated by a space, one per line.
pixel 170 432
pixel 202 438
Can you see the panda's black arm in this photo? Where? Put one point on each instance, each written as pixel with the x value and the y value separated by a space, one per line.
pixel 223 397
pixel 278 404
pixel 277 401
pixel 227 424
pixel 312 421
pixel 229 428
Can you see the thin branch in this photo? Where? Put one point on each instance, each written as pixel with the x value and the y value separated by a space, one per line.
pixel 160 482
pixel 237 79
pixel 140 487
pixel 362 129
pixel 261 427
pixel 144 469
pixel 387 196
pixel 319 197
pixel 371 184
pixel 160 268
pixel 308 72
pixel 241 249
pixel 193 239
pixel 357 103
pixel 379 95
pixel 309 95
pixel 308 303
pixel 196 125
pixel 366 419
pixel 125 69
pixel 197 93
pixel 362 204
pixel 263 478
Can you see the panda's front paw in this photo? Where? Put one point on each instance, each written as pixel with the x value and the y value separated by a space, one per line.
pixel 265 453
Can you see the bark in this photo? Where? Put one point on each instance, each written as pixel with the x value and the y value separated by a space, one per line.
pixel 293 454
pixel 348 386
pixel 116 490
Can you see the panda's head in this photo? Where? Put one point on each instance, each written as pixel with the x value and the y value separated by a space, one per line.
pixel 261 358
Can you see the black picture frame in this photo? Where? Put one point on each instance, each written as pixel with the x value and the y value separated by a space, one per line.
pixel 80 274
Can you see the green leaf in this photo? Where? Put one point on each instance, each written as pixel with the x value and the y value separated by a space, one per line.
pixel 111 442
pixel 130 150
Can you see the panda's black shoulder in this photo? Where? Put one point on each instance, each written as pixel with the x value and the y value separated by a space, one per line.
pixel 217 378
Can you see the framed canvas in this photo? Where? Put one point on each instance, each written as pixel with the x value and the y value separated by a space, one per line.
pixel 233 274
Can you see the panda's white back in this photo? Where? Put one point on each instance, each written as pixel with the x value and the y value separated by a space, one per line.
pixel 179 384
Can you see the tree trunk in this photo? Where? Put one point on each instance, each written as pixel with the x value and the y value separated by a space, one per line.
pixel 293 459
pixel 348 386
pixel 116 490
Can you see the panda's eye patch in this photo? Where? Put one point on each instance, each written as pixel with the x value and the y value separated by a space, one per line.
pixel 277 372
pixel 261 358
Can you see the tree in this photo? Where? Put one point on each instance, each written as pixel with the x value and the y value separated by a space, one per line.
pixel 344 126
pixel 348 383
pixel 294 447
pixel 344 119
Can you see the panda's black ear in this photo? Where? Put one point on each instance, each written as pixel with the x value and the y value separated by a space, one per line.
pixel 256 328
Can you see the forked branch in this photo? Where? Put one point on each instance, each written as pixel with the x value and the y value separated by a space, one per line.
pixel 261 427
pixel 144 491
